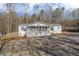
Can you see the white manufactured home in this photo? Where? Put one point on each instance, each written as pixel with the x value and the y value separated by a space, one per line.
pixel 39 29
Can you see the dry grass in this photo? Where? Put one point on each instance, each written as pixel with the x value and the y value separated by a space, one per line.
pixel 49 45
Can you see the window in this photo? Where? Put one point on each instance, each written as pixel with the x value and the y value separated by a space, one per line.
pixel 51 28
pixel 58 27
pixel 39 28
pixel 23 28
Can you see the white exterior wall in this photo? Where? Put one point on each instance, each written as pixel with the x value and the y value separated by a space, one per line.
pixel 57 29
pixel 34 33
pixel 21 32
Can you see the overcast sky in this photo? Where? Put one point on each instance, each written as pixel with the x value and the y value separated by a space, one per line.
pixel 67 3
pixel 71 3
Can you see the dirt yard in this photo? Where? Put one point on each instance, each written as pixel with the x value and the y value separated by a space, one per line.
pixel 54 45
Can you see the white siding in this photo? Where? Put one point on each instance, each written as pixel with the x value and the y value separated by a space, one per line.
pixel 22 30
pixel 29 32
pixel 57 29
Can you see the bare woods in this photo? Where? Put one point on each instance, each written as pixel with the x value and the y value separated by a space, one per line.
pixel 9 20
